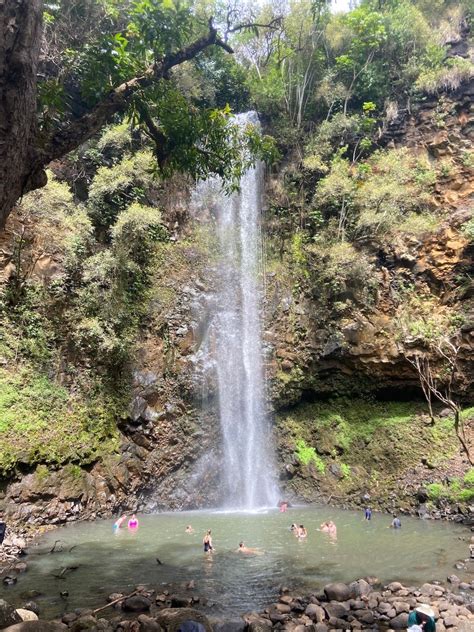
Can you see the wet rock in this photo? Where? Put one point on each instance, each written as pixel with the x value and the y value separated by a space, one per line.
pixel 400 622
pixel 181 601
pixel 69 617
pixel 84 623
pixel 283 608
pixel 453 579
pixel 137 603
pixel 321 627
pixel 33 606
pixel 337 592
pixel 8 615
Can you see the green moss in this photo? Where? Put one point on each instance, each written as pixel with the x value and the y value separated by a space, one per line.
pixel 307 454
pixel 469 478
pixel 40 422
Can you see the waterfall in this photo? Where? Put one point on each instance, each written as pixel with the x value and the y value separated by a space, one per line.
pixel 248 476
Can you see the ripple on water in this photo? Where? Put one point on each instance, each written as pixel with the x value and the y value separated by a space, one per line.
pixel 420 551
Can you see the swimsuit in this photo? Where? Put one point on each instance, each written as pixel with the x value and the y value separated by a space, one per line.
pixel 132 524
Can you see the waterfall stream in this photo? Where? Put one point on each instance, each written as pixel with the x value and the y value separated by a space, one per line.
pixel 248 476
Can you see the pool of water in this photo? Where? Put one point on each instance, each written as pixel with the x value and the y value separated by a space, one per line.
pixel 420 551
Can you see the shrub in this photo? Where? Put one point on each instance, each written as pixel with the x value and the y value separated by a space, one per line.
pixel 469 478
pixel 307 454
pixel 436 491
pixel 114 187
pixel 449 76
pixel 468 229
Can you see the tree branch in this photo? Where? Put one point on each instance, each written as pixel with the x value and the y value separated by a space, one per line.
pixel 116 101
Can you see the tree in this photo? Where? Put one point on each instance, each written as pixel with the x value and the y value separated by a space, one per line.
pixel 123 66
pixel 439 384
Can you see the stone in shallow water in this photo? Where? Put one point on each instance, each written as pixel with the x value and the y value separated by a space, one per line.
pixel 136 604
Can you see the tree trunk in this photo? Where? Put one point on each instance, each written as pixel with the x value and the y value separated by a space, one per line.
pixel 20 40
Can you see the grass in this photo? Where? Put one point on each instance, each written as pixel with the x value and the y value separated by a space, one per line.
pixel 41 422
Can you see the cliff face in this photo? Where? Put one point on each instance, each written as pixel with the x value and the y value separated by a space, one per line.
pixel 357 343
pixel 353 344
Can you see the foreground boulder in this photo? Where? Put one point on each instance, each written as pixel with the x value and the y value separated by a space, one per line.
pixel 338 592
pixel 8 614
pixel 37 626
pixel 172 618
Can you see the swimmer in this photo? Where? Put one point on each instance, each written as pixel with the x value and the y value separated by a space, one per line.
pixel 207 542
pixel 133 522
pixel 283 506
pixel 189 529
pixel 247 549
pixel 302 532
pixel 120 522
pixel 294 529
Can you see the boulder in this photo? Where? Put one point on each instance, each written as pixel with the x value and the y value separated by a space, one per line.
pixel 84 623
pixel 365 616
pixel 148 624
pixel 172 618
pixel 181 601
pixel 400 622
pixel 338 592
pixel 360 588
pixel 336 610
pixel 137 603
pixel 37 626
pixel 26 615
pixel 8 615
pixel 315 612
pixel 32 605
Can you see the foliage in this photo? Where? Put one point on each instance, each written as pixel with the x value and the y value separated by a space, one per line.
pixel 42 423
pixel 307 454
pixel 455 490
pixel 468 229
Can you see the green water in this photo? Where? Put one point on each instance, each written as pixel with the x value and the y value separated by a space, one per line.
pixel 235 583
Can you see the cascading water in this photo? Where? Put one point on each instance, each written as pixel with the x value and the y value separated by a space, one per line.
pixel 248 476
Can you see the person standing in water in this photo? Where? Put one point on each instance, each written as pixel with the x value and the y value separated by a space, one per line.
pixel 133 522
pixel 301 532
pixel 207 542
pixel 368 513
pixel 396 524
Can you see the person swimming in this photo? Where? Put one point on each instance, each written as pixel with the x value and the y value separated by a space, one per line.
pixel 247 549
pixel 207 542
pixel 294 529
pixel 189 529
pixel 118 523
pixel 133 522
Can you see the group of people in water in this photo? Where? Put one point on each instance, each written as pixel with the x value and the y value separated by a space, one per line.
pixel 299 531
pixel 132 523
